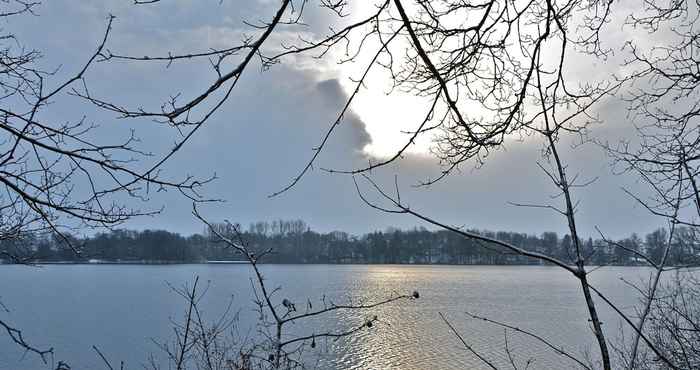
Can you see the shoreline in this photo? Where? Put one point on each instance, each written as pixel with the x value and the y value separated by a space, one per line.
pixel 218 262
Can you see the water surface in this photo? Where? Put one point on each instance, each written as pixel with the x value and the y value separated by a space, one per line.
pixel 121 308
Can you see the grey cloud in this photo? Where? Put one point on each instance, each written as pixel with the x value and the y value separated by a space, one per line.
pixel 333 92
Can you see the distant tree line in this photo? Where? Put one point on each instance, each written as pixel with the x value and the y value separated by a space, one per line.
pixel 294 242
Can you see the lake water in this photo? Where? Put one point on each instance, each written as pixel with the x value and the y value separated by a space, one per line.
pixel 120 308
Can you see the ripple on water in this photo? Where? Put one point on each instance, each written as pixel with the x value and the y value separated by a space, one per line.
pixel 73 307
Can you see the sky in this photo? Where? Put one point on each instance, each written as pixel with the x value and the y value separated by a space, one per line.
pixel 265 132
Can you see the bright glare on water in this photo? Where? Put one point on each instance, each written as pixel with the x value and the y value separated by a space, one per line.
pixel 121 308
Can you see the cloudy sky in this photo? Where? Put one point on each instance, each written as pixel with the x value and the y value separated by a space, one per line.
pixel 266 130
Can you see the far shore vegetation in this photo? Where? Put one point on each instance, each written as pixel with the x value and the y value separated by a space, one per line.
pixel 295 242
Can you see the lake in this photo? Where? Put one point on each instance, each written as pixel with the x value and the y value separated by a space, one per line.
pixel 121 308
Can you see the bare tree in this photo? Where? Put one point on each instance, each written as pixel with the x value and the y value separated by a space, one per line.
pixel 55 176
pixel 493 69
pixel 276 347
pixel 488 70
pixel 58 176
pixel 674 323
pixel 665 110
